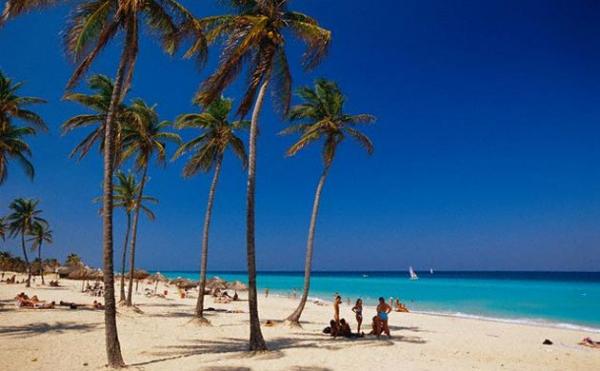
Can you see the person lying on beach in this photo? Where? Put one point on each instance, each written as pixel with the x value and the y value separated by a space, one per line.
pixel 357 309
pixel 383 309
pixel 588 342
pixel 23 301
pixel 336 309
pixel 94 305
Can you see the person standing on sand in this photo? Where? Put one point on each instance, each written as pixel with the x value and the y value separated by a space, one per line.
pixel 383 309
pixel 336 310
pixel 267 292
pixel 357 309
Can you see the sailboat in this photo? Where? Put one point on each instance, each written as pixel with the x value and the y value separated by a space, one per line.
pixel 413 275
pixel 430 270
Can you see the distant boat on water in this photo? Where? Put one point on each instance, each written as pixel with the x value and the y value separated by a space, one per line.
pixel 430 270
pixel 413 275
pixel 365 275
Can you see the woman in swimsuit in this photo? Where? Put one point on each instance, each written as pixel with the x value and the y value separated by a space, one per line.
pixel 357 309
pixel 383 309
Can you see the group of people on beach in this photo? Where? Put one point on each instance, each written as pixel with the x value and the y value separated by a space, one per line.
pixel 340 327
pixel 24 301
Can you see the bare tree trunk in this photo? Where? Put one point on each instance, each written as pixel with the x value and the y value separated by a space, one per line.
pixel 136 217
pixel 204 255
pixel 113 347
pixel 28 283
pixel 294 318
pixel 257 342
pixel 41 264
pixel 124 258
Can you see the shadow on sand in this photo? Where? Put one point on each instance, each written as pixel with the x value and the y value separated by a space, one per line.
pixel 44 328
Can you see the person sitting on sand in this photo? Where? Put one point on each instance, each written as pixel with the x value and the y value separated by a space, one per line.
pixel 357 309
pixel 333 328
pixel 336 309
pixel 376 326
pixel 235 296
pixel 400 307
pixel 383 309
pixel 345 328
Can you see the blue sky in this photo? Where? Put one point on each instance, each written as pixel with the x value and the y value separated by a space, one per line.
pixel 487 152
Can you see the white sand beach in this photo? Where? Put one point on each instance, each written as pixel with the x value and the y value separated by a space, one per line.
pixel 163 338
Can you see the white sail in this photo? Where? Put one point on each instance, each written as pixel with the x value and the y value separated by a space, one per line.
pixel 413 275
pixel 430 270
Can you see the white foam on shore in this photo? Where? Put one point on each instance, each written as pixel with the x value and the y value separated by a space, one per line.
pixel 517 321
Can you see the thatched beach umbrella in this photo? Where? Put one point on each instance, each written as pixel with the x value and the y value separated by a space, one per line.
pixel 139 274
pixel 83 274
pixel 216 283
pixel 156 278
pixel 237 286
pixel 184 283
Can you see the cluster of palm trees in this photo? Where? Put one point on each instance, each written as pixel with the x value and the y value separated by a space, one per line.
pixel 252 38
pixel 26 223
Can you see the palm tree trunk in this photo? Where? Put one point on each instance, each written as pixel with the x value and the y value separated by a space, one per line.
pixel 113 347
pixel 257 342
pixel 204 255
pixel 41 264
pixel 136 216
pixel 294 318
pixel 124 258
pixel 28 283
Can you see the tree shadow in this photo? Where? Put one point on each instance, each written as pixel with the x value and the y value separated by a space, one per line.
pixel 43 328
pixel 232 348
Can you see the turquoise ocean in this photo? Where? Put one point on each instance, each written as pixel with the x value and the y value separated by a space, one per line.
pixel 564 299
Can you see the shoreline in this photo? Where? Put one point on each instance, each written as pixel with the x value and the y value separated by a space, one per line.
pixel 164 337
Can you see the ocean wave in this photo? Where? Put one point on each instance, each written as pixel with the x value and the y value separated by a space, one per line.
pixel 519 321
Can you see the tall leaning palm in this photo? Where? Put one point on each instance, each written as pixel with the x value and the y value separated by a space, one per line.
pixel 93 24
pixel 206 153
pixel 254 37
pixel 13 145
pixel 321 117
pixel 144 137
pixel 24 215
pixel 40 233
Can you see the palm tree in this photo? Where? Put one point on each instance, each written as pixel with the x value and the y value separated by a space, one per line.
pixel 12 137
pixel 24 216
pixel 126 192
pixel 99 103
pixel 92 26
pixel 144 136
pixel 73 260
pixel 3 228
pixel 40 233
pixel 322 118
pixel 207 151
pixel 255 37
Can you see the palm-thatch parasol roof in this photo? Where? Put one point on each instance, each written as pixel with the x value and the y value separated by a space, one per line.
pixel 237 286
pixel 216 282
pixel 157 277
pixel 139 274
pixel 183 283
pixel 85 274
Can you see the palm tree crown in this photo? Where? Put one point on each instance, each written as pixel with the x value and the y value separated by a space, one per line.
pixel 12 137
pixel 13 106
pixel 144 134
pixel 40 233
pixel 126 191
pixel 256 36
pixel 217 134
pixel 98 102
pixel 321 116
pixel 24 216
